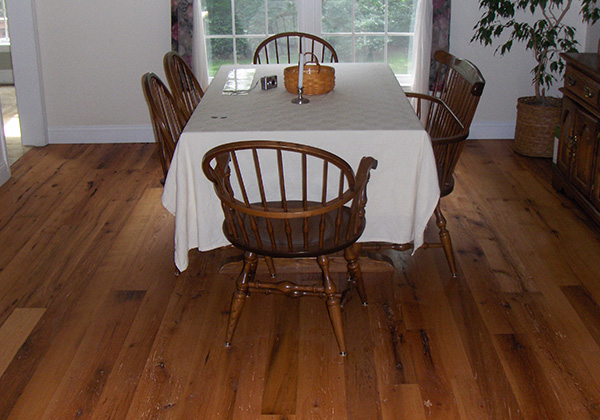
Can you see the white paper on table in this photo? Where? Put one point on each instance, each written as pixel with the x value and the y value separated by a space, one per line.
pixel 239 82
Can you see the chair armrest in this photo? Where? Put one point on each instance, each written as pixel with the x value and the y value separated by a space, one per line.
pixel 360 191
pixel 439 120
pixel 420 97
pixel 362 175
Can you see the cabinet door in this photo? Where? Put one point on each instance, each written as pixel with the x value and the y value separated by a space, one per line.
pixel 585 132
pixel 566 140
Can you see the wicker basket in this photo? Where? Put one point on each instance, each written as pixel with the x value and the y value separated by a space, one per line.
pixel 536 126
pixel 317 79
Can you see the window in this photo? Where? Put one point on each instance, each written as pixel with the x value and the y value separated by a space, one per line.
pixel 359 30
pixel 4 39
pixel 371 31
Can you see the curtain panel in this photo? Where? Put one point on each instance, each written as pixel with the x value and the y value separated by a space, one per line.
pixel 422 47
pixel 182 28
pixel 440 36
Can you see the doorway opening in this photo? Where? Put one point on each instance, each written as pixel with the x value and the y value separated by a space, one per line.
pixel 12 126
pixel 8 99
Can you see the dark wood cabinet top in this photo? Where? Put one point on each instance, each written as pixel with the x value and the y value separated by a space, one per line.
pixel 588 62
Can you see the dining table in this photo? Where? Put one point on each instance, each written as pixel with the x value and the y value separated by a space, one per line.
pixel 366 114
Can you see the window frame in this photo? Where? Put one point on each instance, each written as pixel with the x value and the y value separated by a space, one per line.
pixel 309 18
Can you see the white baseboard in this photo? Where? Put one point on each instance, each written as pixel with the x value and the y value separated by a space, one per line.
pixel 492 130
pixel 4 172
pixel 101 134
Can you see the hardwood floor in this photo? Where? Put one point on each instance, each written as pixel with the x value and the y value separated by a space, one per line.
pixel 95 325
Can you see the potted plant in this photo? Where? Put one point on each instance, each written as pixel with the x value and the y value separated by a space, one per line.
pixel 546 37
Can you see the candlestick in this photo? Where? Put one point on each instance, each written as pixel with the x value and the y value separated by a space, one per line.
pixel 300 70
pixel 300 99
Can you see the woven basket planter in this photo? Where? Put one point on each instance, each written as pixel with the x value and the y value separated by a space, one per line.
pixel 536 126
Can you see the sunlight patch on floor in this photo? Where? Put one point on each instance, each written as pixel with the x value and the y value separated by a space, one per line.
pixel 12 128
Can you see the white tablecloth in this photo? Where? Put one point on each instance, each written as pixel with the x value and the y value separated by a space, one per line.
pixel 367 114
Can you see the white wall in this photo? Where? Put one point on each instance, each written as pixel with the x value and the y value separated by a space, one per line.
pixel 507 77
pixel 591 39
pixel 93 55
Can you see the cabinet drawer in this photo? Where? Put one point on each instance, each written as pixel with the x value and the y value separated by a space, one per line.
pixel 584 87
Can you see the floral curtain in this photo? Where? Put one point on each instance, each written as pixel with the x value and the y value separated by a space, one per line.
pixel 182 24
pixel 440 37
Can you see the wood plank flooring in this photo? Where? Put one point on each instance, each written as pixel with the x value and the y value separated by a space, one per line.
pixel 94 324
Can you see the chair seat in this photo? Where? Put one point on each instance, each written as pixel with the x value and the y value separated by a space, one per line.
pixel 310 244
pixel 447 187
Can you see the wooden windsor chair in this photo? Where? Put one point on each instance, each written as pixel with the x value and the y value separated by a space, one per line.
pixel 167 120
pixel 183 83
pixel 447 114
pixel 286 200
pixel 284 48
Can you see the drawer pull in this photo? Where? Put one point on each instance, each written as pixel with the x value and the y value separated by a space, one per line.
pixel 588 92
pixel 570 81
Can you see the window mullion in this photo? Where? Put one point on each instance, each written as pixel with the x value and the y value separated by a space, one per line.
pixel 266 3
pixel 233 29
pixel 386 31
pixel 353 30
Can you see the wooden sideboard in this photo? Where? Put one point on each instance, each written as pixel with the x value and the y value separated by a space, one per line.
pixel 577 162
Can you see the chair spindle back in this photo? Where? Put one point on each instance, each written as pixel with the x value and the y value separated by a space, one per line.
pixel 280 199
pixel 166 118
pixel 448 112
pixel 459 84
pixel 284 48
pixel 183 83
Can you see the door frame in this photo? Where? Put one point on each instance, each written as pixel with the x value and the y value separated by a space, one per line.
pixel 27 71
pixel 4 166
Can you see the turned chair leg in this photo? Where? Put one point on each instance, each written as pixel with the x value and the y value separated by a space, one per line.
pixel 351 255
pixel 333 303
pixel 237 302
pixel 440 221
pixel 271 266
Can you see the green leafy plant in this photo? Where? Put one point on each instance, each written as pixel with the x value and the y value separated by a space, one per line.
pixel 546 37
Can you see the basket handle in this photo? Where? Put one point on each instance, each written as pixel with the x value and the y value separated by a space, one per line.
pixel 313 59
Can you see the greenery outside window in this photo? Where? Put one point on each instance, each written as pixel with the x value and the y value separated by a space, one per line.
pixel 359 30
pixel 4 38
